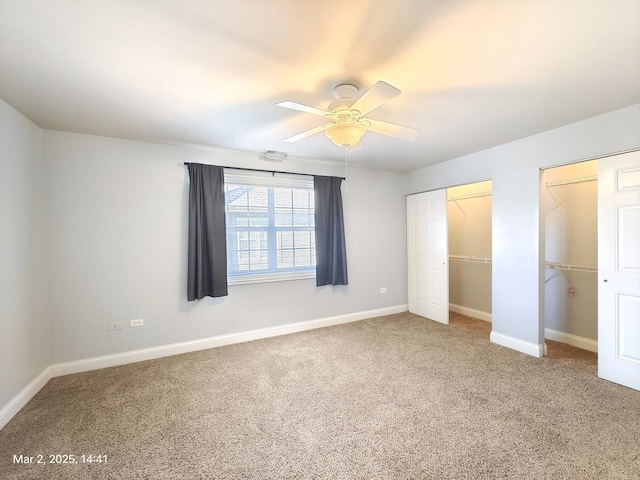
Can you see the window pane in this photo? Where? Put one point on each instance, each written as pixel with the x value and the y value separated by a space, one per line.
pixel 269 229
pixel 258 197
pixel 282 197
pixel 257 240
pixel 285 239
pixel 301 218
pixel 303 257
pixel 300 198
pixel 243 240
pixel 258 219
pixel 285 258
pixel 239 220
pixel 283 218
pixel 258 259
pixel 302 239
pixel 243 260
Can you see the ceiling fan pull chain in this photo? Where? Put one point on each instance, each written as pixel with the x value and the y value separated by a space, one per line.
pixel 346 171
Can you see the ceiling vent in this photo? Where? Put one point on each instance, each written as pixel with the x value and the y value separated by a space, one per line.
pixel 273 156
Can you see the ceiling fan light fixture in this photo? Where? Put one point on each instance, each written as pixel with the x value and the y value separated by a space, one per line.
pixel 345 134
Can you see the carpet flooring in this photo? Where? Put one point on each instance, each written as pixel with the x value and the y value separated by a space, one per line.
pixel 390 397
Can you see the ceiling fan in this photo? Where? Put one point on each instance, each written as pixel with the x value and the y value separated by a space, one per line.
pixel 347 116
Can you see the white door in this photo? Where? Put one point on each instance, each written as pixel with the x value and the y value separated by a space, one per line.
pixel 619 269
pixel 427 262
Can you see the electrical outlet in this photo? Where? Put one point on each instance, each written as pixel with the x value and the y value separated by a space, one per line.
pixel 138 322
pixel 383 290
pixel 114 326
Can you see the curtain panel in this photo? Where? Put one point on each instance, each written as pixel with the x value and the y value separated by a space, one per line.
pixel 207 255
pixel 331 251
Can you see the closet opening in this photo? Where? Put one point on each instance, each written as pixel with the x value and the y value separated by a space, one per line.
pixel 469 249
pixel 571 255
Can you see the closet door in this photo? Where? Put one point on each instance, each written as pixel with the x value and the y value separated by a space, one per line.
pixel 427 255
pixel 619 269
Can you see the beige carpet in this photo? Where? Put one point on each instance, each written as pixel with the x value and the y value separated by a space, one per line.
pixel 391 397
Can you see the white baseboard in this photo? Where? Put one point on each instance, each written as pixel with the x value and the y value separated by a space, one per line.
pixel 56 370
pixel 470 312
pixel 529 348
pixel 212 342
pixel 26 394
pixel 568 338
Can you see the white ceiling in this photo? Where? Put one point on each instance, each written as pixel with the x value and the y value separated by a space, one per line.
pixel 473 73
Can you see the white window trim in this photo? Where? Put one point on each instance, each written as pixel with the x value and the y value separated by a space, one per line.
pixel 269 278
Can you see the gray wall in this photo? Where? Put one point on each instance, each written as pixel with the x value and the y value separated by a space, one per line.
pixel 518 236
pixel 24 327
pixel 117 223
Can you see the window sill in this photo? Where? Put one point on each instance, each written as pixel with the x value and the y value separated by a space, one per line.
pixel 279 277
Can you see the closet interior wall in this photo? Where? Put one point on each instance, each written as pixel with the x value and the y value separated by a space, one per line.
pixel 571 253
pixel 469 233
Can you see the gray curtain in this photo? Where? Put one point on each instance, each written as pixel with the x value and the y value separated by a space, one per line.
pixel 331 251
pixel 207 270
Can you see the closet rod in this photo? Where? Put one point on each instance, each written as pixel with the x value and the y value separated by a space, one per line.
pixel 272 172
pixel 471 195
pixel 569 181
pixel 469 259
pixel 570 267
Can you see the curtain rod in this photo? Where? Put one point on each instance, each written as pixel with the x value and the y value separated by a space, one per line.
pixel 273 172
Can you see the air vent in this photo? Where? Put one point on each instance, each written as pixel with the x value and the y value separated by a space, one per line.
pixel 273 156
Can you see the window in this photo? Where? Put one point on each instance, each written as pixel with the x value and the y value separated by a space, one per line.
pixel 270 228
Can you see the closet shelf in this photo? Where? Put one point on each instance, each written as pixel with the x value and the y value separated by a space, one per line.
pixel 569 181
pixel 466 197
pixel 469 259
pixel 571 267
pixel 471 195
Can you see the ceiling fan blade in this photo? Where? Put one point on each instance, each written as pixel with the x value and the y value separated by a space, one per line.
pixel 308 133
pixel 303 108
pixel 374 97
pixel 405 133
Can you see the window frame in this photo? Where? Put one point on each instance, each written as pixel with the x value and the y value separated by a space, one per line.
pixel 269 180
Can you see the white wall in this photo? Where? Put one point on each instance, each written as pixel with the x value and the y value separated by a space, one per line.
pixel 117 223
pixel 518 237
pixel 24 327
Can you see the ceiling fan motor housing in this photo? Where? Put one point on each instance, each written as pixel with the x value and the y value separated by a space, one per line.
pixel 345 90
pixel 345 95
